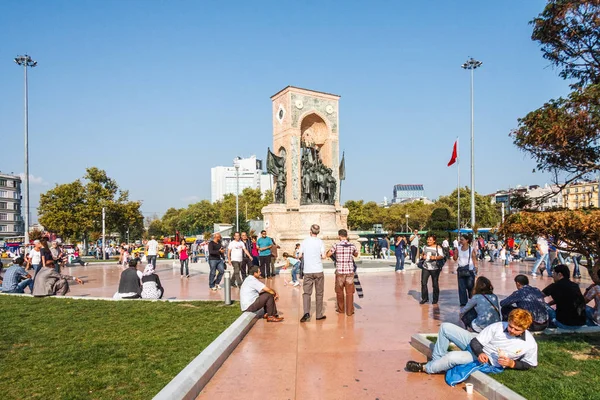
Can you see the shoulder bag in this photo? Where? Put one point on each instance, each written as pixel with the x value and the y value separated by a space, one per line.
pixel 495 308
pixel 464 271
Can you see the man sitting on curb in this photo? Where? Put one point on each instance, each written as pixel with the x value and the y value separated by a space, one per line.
pixel 16 279
pixel 255 295
pixel 502 344
pixel 566 295
pixel 527 298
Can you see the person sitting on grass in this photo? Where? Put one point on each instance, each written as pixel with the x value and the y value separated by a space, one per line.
pixel 48 282
pixel 295 264
pixel 16 279
pixel 151 287
pixel 129 284
pixel 482 309
pixel 255 295
pixel 528 298
pixel 593 313
pixel 502 344
pixel 566 295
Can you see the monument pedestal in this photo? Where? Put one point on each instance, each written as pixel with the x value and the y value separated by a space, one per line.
pixel 288 226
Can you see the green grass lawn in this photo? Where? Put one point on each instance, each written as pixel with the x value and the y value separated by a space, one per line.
pixel 54 348
pixel 568 369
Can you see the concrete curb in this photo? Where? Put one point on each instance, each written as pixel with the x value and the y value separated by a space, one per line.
pixel 188 384
pixel 484 384
pixel 103 298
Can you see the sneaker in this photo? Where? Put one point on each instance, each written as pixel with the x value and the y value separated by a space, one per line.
pixel 398 271
pixel 214 289
pixel 187 276
pixel 218 286
pixel 534 274
pixel 413 366
pixel 86 264
pixel 296 283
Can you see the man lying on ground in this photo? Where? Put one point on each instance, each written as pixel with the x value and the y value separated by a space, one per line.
pixel 502 344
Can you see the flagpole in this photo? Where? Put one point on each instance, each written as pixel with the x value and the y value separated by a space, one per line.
pixel 458 188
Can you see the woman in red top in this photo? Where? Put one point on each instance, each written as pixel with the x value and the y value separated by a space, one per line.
pixel 183 258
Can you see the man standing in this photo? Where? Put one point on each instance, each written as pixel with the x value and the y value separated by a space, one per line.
pixel 312 251
pixel 523 246
pixel 255 295
pixel 446 248
pixel 566 295
pixel 542 248
pixel 235 255
pixel 344 252
pixel 414 246
pixel 34 258
pixel 216 252
pixel 528 298
pixel 246 261
pixel 264 244
pixel 384 243
pixel 152 248
pixel 400 248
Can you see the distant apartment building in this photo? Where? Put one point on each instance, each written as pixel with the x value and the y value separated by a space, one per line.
pixel 11 220
pixel 407 193
pixel 223 180
pixel 582 194
pixel 549 197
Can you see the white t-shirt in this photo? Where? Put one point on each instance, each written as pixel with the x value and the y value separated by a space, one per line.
pixel 432 251
pixel 249 291
pixel 313 252
pixel 415 241
pixel 542 245
pixel 152 247
pixel 445 243
pixel 455 244
pixel 495 337
pixel 237 250
pixel 36 256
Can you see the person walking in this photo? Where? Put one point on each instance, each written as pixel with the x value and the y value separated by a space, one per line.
pixel 184 258
pixel 466 268
pixel 152 249
pixel 400 249
pixel 414 246
pixel 312 251
pixel 523 246
pixel 344 253
pixel 246 260
pixel 429 257
pixel 235 255
pixel 446 248
pixel 216 253
pixel 264 244
pixel 542 248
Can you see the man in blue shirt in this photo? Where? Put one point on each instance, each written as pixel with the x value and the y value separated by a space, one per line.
pixel 264 244
pixel 16 279
pixel 527 298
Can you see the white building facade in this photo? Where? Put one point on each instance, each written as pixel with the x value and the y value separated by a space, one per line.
pixel 223 180
pixel 11 220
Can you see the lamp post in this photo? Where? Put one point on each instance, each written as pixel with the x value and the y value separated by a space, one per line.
pixel 236 164
pixel 406 222
pixel 26 61
pixel 472 64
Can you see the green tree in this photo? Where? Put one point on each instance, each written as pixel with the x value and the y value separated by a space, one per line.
pixel 486 213
pixel 441 221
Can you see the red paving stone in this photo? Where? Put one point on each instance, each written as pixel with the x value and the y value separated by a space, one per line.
pixel 359 357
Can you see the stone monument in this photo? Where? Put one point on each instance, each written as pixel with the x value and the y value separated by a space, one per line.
pixel 305 164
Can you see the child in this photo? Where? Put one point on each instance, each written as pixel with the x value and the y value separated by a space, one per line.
pixel 295 263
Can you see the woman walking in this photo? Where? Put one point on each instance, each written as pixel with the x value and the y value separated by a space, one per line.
pixel 466 268
pixel 431 259
pixel 183 258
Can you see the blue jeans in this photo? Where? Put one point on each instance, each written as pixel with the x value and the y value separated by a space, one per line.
pixel 545 259
pixel 400 261
pixel 553 321
pixel 442 359
pixel 295 269
pixel 576 261
pixel 589 313
pixel 522 254
pixel 22 285
pixel 152 260
pixel 465 288
pixel 215 265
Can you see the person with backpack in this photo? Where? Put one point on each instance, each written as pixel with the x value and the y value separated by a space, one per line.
pixel 431 262
pixel 466 268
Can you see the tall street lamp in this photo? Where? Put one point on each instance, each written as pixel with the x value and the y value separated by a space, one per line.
pixel 26 61
pixel 406 222
pixel 236 164
pixel 472 64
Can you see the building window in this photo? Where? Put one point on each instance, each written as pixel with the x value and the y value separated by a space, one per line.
pixel 3 217
pixel 3 182
pixel 3 193
pixel 3 228
pixel 12 183
pixel 2 205
pixel 16 206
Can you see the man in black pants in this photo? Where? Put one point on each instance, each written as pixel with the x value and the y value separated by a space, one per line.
pixel 264 244
pixel 246 261
pixel 255 296
pixel 414 246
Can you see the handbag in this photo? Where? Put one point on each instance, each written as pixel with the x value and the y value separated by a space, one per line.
pixel 465 272
pixel 441 262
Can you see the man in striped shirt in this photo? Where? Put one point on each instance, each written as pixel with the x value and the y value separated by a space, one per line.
pixel 344 253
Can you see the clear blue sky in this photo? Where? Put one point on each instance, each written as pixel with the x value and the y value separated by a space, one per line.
pixel 158 92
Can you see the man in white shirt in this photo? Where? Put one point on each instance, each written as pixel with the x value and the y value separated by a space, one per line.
pixel 235 255
pixel 542 248
pixel 502 344
pixel 255 295
pixel 414 245
pixel 446 248
pixel 34 258
pixel 152 248
pixel 312 251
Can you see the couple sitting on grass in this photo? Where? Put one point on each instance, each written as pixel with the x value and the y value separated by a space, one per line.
pixel 45 282
pixel 134 284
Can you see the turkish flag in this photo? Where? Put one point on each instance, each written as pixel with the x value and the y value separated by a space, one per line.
pixel 454 154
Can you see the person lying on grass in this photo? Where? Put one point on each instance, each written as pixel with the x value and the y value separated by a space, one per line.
pixel 502 344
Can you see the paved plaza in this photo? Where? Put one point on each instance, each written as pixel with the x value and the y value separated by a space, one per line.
pixel 359 357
